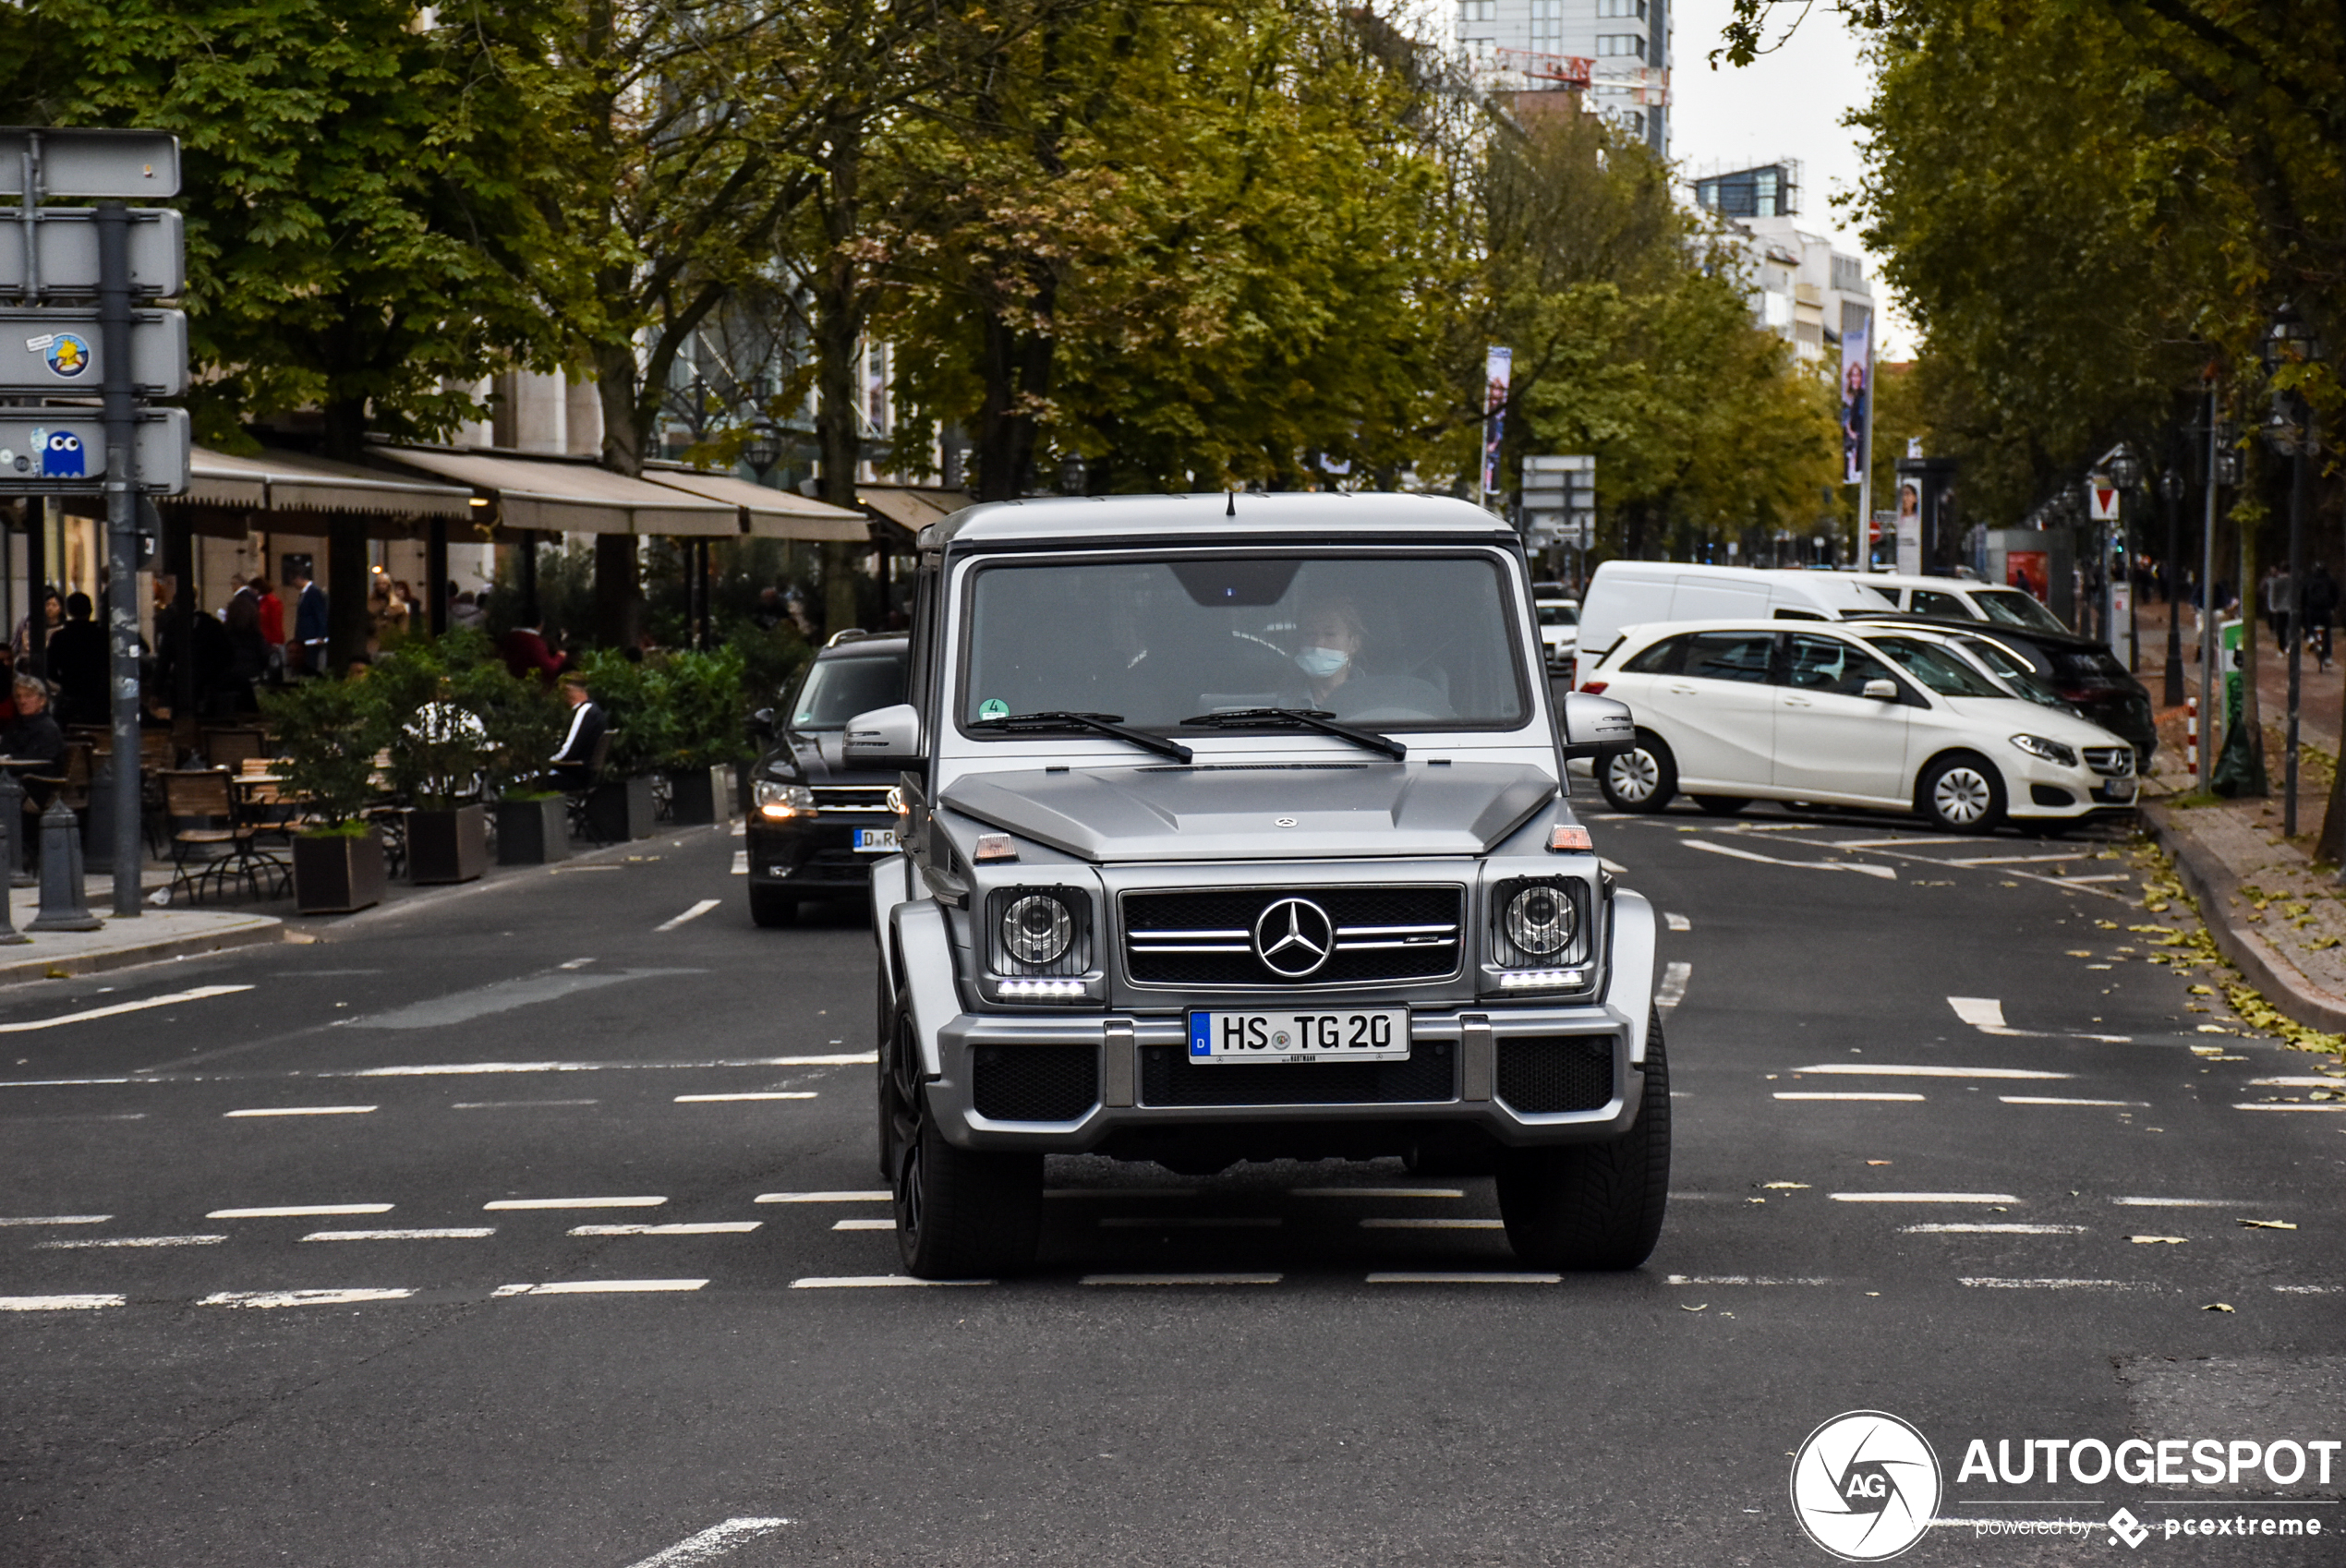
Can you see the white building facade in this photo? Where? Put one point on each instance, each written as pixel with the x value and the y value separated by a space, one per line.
pixel 1620 49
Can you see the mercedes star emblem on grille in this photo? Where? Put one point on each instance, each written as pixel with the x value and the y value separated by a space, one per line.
pixel 1293 938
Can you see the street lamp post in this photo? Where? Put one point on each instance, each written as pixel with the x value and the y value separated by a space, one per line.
pixel 2126 472
pixel 764 448
pixel 2170 490
pixel 2291 432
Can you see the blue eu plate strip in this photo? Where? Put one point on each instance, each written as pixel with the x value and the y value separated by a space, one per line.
pixel 1201 1034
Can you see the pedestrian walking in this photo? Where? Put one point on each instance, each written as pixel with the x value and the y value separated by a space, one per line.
pixel 2321 609
pixel 2272 598
pixel 311 623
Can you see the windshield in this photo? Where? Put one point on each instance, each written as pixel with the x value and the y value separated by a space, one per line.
pixel 1939 669
pixel 836 690
pixel 1558 615
pixel 2015 608
pixel 1402 643
pixel 2012 672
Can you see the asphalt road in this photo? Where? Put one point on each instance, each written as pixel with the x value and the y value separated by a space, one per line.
pixel 586 1185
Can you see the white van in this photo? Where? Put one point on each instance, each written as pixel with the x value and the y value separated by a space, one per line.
pixel 1629 592
pixel 1959 599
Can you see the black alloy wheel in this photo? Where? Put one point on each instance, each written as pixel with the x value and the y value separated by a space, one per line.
pixel 1592 1206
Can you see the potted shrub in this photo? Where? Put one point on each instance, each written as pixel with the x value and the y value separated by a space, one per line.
pixel 330 732
pixel 634 698
pixel 703 698
pixel 435 762
pixel 522 724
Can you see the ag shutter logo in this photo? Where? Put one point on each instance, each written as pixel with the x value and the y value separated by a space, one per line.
pixel 1865 1486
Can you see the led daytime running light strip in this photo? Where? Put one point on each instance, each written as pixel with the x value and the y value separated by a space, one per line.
pixel 1040 987
pixel 1541 979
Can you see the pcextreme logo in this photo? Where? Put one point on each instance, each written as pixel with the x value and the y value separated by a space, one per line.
pixel 1865 1486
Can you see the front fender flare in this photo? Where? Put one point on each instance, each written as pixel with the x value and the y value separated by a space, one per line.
pixel 922 951
pixel 1631 978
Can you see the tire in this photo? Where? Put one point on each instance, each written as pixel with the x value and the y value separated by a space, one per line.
pixel 771 907
pixel 1720 805
pixel 889 1022
pixel 1595 1205
pixel 1642 778
pixel 1961 793
pixel 962 1214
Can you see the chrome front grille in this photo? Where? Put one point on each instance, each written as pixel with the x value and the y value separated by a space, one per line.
pixel 1376 935
pixel 2111 762
pixel 852 800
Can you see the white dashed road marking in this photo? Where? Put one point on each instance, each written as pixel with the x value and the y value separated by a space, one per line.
pixel 2054 1100
pixel 1924 1197
pixel 1677 923
pixel 706 1227
pixel 741 862
pixel 603 1287
pixel 2253 1106
pixel 1991 1230
pixel 305 1111
pixel 467 1232
pixel 1829 1094
pixel 299 1211
pixel 1180 1279
pixel 574 1203
pixel 767 1095
pixel 863 1224
pixel 1893 1069
pixel 869 1282
pixel 198 993
pixel 823 1196
pixel 1888 873
pixel 1376 1192
pixel 1738 1279
pixel 1453 1278
pixel 1674 985
pixel 1980 1012
pixel 2299 1083
pixel 56 1220
pixel 82 1241
pixel 698 910
pixel 1433 1225
pixel 710 1544
pixel 460 1070
pixel 270 1298
pixel 58 1303
pixel 2057 1284
pixel 2179 1203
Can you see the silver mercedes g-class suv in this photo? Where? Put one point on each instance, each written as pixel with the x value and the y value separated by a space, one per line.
pixel 1235 828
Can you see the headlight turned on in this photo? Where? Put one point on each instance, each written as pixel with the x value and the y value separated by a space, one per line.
pixel 2051 751
pixel 779 803
pixel 1036 929
pixel 1541 920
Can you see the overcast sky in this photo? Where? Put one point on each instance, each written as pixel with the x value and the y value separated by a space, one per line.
pixel 1786 104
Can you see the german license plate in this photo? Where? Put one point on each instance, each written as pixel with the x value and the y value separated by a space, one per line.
pixel 1357 1034
pixel 876 840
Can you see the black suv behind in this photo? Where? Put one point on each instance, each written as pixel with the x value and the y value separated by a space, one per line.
pixel 816 825
pixel 2082 672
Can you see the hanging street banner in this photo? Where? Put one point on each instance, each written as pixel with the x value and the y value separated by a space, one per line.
pixel 63 452
pixel 66 248
pixel 1857 388
pixel 1498 370
pixel 53 351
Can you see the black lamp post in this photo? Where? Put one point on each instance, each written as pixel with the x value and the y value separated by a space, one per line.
pixel 2126 472
pixel 764 448
pixel 1072 474
pixel 2170 490
pixel 2291 431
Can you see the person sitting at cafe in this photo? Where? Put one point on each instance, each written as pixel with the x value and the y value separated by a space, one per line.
pixel 33 744
pixel 573 765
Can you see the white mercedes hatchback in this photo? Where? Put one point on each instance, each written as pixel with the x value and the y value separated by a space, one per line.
pixel 1884 716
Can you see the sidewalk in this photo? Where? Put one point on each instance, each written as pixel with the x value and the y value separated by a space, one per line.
pixel 117 944
pixel 2273 913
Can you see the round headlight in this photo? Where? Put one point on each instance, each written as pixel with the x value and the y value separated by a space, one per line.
pixel 1036 929
pixel 1541 920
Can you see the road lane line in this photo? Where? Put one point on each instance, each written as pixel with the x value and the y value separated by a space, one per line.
pixel 1740 1279
pixel 2018 860
pixel 1888 873
pixel 1433 1225
pixel 610 1287
pixel 1896 1069
pixel 698 910
pixel 1980 1012
pixel 198 993
pixel 698 1227
pixel 2277 1106
pixel 875 1197
pixel 298 1211
pixel 1990 1230
pixel 77 1242
pixel 1677 921
pixel 767 1095
pixel 2339 1083
pixel 2182 1203
pixel 1436 1277
pixel 1180 1279
pixel 2056 1099
pixel 464 1233
pixel 1191 1222
pixel 1987 1284
pixel 516 1105
pixel 1674 985
pixel 459 1069
pixel 1923 1197
pixel 2310 1289
pixel 741 862
pixel 574 1203
pixel 56 1220
pixel 272 1298
pixel 863 1224
pixel 711 1544
pixel 1889 843
pixel 504 996
pixel 1376 1192
pixel 58 1303
pixel 1614 866
pixel 304 1111
pixel 870 1282
pixel 1840 1094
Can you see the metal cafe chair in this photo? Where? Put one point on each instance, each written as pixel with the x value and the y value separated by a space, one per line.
pixel 211 837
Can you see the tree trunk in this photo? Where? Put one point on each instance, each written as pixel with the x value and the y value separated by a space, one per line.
pixel 349 583
pixel 1017 366
pixel 618 594
pixel 840 304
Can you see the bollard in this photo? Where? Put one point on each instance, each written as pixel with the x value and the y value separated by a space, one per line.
pixel 12 826
pixel 12 804
pixel 2191 736
pixel 63 905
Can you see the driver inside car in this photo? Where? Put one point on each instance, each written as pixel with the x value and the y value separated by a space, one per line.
pixel 1328 647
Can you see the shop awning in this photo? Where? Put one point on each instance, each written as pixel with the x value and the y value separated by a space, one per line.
pixel 291 481
pixel 769 513
pixel 554 496
pixel 910 507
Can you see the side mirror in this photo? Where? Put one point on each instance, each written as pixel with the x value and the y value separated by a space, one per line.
pixel 1879 690
pixel 886 739
pixel 1594 726
pixel 761 724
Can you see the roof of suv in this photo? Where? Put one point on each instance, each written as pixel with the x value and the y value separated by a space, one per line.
pixel 1217 516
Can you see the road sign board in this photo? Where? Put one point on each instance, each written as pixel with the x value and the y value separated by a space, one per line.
pixel 57 351
pixel 69 253
pixel 130 165
pixel 63 452
pixel 2104 495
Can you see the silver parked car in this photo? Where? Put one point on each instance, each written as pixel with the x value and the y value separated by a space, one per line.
pixel 1237 829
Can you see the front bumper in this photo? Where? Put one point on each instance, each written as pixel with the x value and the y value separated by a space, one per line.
pixel 813 860
pixel 1470 1039
pixel 2038 791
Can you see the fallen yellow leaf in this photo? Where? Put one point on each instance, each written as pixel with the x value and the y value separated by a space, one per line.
pixel 2216 1307
pixel 2168 1240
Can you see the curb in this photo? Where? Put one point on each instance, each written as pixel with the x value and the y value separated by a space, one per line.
pixel 2211 882
pixel 68 965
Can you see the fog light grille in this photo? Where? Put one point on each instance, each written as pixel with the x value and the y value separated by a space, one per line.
pixel 1544 1074
pixel 1034 1083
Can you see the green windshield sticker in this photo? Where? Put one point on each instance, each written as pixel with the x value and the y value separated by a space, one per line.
pixel 993 707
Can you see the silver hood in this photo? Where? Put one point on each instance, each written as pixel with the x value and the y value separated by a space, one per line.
pixel 1169 811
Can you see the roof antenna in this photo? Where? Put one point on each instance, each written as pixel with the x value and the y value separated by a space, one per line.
pixel 1232 509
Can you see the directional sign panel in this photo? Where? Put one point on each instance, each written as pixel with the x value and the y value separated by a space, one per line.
pixel 57 351
pixel 68 251
pixel 59 451
pixel 129 165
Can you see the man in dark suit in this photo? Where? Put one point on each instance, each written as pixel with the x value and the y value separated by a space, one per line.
pixel 574 765
pixel 78 661
pixel 311 630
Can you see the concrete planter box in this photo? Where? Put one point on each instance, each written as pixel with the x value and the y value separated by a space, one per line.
pixel 333 875
pixel 533 832
pixel 447 846
pixel 700 796
pixel 620 810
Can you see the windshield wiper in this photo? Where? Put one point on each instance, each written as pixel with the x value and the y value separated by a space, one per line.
pixel 1301 717
pixel 1100 723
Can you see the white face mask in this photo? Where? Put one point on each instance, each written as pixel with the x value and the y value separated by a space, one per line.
pixel 1321 663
